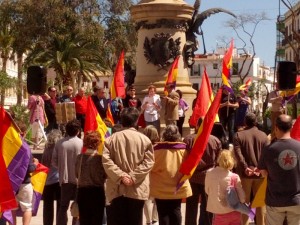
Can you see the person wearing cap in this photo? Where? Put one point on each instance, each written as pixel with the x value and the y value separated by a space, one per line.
pixel 100 101
pixel 171 105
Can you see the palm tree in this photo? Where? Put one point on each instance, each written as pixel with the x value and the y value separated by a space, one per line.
pixel 72 57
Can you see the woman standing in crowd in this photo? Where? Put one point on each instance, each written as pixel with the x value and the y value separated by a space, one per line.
pixel 169 154
pixel 217 182
pixel 182 108
pixel 91 178
pixel 151 106
pixel 52 187
pixel 244 102
pixel 151 214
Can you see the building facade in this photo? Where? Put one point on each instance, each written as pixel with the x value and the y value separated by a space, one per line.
pixel 261 75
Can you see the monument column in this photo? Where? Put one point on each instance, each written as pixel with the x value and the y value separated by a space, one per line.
pixel 162 26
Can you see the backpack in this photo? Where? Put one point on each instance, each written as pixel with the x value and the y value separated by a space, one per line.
pixel 233 200
pixel 232 196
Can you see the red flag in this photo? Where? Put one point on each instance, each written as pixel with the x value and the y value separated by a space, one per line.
pixel 295 132
pixel 117 88
pixel 189 165
pixel 93 122
pixel 227 64
pixel 172 75
pixel 204 100
pixel 109 115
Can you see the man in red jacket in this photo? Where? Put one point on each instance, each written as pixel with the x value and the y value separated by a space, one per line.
pixel 80 106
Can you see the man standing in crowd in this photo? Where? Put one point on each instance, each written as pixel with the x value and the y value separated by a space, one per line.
pixel 171 105
pixel 100 101
pixel 80 106
pixel 197 180
pixel 127 159
pixel 227 110
pixel 276 108
pixel 64 158
pixel 67 95
pixel 280 163
pixel 131 100
pixel 248 145
pixel 50 100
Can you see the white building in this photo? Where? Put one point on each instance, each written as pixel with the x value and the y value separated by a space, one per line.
pixel 262 76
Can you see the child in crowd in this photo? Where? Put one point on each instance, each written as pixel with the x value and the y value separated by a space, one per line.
pixel 217 182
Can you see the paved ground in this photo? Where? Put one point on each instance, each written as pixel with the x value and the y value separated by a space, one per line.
pixel 38 220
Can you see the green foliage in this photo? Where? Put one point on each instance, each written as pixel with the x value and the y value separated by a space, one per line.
pixel 6 81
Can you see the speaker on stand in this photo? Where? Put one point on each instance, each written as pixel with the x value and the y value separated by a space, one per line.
pixel 36 80
pixel 36 86
pixel 286 75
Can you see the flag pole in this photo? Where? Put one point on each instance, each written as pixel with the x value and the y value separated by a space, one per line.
pixel 228 103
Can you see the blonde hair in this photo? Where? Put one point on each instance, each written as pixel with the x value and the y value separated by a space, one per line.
pixel 151 132
pixel 226 159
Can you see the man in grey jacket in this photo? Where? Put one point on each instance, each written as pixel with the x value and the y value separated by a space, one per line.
pixel 127 160
pixel 64 158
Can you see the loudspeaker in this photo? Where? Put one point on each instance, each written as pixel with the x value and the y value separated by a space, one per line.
pixel 286 75
pixel 36 80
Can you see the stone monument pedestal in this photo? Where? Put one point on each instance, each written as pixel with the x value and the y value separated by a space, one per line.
pixel 162 24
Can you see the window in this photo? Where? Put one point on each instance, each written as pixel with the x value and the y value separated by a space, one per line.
pixel 196 70
pixel 215 66
pixel 235 69
pixel 105 84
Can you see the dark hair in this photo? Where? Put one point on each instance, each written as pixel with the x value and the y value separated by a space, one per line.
pixel 179 93
pixel 50 88
pixel 73 127
pixel 92 140
pixel 219 132
pixel 117 127
pixel 171 85
pixel 131 87
pixel 284 123
pixel 171 133
pixel 129 117
pixel 250 120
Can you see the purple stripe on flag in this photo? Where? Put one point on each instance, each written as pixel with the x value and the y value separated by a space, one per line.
pixel 35 202
pixel 18 166
pixel 170 145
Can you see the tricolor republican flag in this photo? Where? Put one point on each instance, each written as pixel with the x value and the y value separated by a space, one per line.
pixel 93 122
pixel 117 88
pixel 172 75
pixel 227 65
pixel 189 165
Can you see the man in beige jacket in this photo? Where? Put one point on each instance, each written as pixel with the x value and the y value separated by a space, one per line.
pixel 171 105
pixel 127 159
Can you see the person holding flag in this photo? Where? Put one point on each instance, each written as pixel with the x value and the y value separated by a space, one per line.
pixel 227 111
pixel 244 101
pixel 171 105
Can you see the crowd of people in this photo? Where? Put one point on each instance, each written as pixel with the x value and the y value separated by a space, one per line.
pixel 139 168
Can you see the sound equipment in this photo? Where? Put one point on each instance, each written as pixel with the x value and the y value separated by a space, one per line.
pixel 65 112
pixel 286 75
pixel 36 80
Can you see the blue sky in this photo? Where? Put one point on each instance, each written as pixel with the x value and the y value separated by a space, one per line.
pixel 264 37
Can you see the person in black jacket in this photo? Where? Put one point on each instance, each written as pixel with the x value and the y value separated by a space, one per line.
pixel 100 101
pixel 50 100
